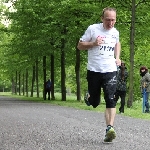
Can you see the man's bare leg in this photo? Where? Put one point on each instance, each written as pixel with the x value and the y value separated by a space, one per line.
pixel 110 116
pixel 110 132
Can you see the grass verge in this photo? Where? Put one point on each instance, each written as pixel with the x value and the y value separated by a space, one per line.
pixel 135 111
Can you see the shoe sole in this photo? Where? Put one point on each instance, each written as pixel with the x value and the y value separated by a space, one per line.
pixel 111 134
pixel 107 142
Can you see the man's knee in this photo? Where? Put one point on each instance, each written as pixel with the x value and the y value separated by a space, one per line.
pixel 111 103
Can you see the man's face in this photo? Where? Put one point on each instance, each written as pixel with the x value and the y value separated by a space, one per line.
pixel 109 19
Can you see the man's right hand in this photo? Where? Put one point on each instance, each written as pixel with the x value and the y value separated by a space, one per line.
pixel 98 41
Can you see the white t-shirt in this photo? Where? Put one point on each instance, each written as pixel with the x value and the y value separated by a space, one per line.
pixel 101 58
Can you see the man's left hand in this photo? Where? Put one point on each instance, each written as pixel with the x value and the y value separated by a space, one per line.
pixel 118 62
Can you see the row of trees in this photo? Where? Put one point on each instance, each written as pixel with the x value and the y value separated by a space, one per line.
pixel 41 42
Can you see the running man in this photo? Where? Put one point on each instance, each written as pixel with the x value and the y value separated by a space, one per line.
pixel 102 42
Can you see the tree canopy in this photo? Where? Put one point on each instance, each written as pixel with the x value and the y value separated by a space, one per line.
pixel 43 28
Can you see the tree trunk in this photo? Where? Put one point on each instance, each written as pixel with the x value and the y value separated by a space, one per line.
pixel 27 82
pixel 23 84
pixel 52 77
pixel 19 84
pixel 44 75
pixel 63 74
pixel 77 71
pixel 132 33
pixel 37 79
pixel 16 83
pixel 13 85
pixel 33 80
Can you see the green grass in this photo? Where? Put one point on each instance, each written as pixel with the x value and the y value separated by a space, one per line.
pixel 135 111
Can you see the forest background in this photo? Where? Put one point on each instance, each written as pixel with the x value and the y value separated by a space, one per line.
pixel 39 41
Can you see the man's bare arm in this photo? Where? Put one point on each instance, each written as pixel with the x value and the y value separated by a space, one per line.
pixel 117 50
pixel 117 53
pixel 87 45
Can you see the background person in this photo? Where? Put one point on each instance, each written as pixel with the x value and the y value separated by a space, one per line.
pixel 102 42
pixel 48 86
pixel 145 83
pixel 121 89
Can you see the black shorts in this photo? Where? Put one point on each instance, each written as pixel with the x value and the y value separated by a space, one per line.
pixel 108 82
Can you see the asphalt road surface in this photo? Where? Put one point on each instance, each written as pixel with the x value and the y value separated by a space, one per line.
pixel 35 126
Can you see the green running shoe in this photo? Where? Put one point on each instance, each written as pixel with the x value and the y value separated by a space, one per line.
pixel 110 134
pixel 107 140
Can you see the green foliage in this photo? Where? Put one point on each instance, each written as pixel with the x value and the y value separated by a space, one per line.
pixel 38 27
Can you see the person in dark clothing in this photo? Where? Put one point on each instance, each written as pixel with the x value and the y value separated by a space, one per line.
pixel 48 86
pixel 122 75
pixel 145 83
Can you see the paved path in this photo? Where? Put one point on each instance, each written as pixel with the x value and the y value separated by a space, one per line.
pixel 34 126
